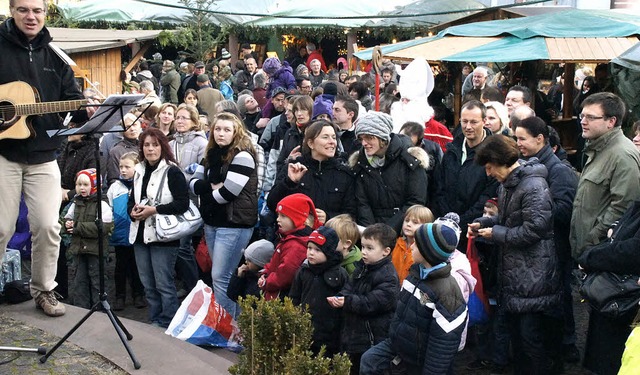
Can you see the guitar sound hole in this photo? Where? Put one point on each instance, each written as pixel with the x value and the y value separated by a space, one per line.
pixel 7 114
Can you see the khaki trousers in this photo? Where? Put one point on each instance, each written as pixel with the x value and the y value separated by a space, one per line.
pixel 40 184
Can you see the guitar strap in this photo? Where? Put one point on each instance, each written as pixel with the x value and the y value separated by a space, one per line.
pixel 62 54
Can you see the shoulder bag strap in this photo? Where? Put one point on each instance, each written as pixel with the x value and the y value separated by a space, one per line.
pixel 159 193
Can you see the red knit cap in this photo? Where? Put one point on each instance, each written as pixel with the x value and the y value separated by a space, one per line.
pixel 93 178
pixel 298 207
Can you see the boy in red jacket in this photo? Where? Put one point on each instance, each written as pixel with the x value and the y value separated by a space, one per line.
pixel 293 211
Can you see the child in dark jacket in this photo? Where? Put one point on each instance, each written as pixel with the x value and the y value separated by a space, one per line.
pixel 244 282
pixel 293 211
pixel 425 332
pixel 349 236
pixel 321 276
pixel 80 222
pixel 369 298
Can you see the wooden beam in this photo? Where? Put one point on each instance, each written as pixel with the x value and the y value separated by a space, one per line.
pixel 134 60
pixel 567 99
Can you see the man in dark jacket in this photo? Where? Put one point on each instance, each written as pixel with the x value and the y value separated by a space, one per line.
pixel 28 165
pixel 462 186
pixel 533 135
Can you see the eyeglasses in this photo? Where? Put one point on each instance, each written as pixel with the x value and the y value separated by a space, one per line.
pixel 590 118
pixel 36 11
pixel 183 118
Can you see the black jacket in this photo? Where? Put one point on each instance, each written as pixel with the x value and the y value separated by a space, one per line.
pixel 329 184
pixel 292 138
pixel 429 320
pixel 523 230
pixel 370 298
pixel 311 287
pixel 563 182
pixel 243 286
pixel 462 188
pixel 75 157
pixel 384 194
pixel 621 253
pixel 38 65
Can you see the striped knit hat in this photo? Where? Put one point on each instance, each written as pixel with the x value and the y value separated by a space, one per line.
pixel 436 241
pixel 93 178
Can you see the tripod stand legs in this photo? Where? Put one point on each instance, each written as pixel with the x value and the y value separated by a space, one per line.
pixel 124 335
pixel 39 349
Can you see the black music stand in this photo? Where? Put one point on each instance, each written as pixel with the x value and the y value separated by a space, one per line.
pixel 108 118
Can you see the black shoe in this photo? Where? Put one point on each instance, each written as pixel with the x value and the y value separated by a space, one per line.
pixel 479 364
pixel 571 353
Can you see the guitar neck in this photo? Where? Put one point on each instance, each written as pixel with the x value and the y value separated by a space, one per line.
pixel 49 107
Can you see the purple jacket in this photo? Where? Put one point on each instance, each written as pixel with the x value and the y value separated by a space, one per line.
pixel 282 78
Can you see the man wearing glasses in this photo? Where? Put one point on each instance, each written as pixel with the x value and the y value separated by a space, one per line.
pixel 610 179
pixel 28 166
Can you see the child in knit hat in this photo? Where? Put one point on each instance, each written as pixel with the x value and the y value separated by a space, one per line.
pixel 430 302
pixel 319 277
pixel 80 222
pixel 278 274
pixel 245 281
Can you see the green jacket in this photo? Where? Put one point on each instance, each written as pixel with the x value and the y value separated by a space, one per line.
pixel 349 263
pixel 84 239
pixel 609 183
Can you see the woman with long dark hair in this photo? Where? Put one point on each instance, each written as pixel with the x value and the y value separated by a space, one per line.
pixel 155 259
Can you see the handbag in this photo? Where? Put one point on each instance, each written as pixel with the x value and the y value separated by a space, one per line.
pixel 611 294
pixel 174 227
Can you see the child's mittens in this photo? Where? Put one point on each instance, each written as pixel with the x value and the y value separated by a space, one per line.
pixel 191 168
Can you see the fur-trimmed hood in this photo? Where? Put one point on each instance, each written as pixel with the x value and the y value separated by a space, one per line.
pixel 415 151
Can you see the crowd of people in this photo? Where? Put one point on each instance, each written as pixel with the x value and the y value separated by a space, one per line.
pixel 361 216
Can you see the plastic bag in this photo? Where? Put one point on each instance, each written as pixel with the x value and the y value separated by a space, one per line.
pixel 478 303
pixel 202 256
pixel 200 320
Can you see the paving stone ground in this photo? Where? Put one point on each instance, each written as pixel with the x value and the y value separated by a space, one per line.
pixel 68 359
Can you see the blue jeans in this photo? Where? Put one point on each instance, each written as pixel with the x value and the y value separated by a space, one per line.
pixel 377 359
pixel 155 266
pixel 186 266
pixel 225 248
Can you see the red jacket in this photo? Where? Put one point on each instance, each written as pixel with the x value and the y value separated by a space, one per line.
pixel 435 131
pixel 285 262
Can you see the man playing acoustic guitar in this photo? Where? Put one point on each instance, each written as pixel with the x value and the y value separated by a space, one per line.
pixel 28 164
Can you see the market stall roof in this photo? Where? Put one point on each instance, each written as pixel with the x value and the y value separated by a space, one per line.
pixel 571 35
pixel 83 40
pixel 268 13
pixel 162 11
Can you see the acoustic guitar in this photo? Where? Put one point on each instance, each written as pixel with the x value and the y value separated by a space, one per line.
pixel 19 101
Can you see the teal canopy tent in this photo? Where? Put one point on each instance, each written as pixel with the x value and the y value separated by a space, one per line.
pixel 571 35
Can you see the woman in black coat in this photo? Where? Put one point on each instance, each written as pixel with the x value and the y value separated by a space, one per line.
pixel 389 178
pixel 529 282
pixel 620 253
pixel 318 174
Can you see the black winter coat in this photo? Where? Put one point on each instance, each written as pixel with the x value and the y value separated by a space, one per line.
pixel 75 157
pixel 529 279
pixel 606 337
pixel 291 139
pixel 426 330
pixel 462 188
pixel 311 287
pixel 35 63
pixel 563 182
pixel 329 184
pixel 384 194
pixel 243 286
pixel 370 298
